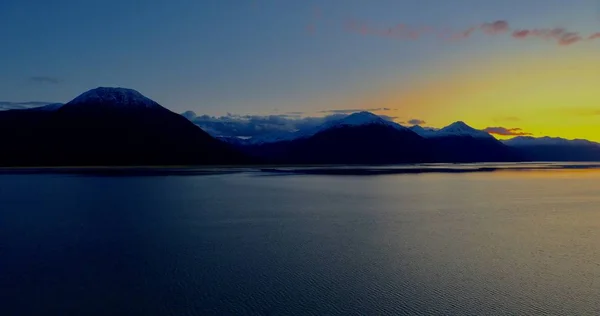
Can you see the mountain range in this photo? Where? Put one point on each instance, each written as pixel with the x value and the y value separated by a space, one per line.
pixel 365 138
pixel 555 149
pixel 117 126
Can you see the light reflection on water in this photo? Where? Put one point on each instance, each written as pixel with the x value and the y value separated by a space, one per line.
pixel 511 242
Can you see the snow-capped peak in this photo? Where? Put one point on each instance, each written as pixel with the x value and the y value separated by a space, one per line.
pixel 118 97
pixel 363 118
pixel 461 129
pixel 360 119
pixel 423 131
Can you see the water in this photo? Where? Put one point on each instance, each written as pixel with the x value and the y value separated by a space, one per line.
pixel 258 243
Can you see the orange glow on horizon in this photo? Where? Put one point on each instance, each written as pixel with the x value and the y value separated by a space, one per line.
pixel 547 94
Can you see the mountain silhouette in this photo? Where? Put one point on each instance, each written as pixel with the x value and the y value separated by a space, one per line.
pixel 365 138
pixel 105 127
pixel 459 142
pixel 363 144
pixel 555 149
pixel 121 127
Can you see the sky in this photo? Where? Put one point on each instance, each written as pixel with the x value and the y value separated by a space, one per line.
pixel 514 67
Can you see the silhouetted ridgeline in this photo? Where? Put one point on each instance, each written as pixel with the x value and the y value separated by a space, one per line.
pixel 105 127
pixel 121 127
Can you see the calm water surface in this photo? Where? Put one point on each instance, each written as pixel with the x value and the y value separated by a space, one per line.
pixel 250 243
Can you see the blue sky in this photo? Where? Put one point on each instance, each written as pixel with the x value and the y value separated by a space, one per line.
pixel 252 56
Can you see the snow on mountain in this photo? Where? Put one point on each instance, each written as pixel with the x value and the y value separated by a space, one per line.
pixel 5 106
pixel 118 97
pixel 47 108
pixel 461 129
pixel 361 119
pixel 424 131
pixel 356 119
pixel 522 141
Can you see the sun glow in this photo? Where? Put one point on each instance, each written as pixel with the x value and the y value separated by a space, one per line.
pixel 546 94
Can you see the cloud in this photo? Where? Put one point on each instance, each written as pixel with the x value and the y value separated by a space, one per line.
pixel 190 115
pixel 45 80
pixel 561 36
pixel 5 105
pixel 403 31
pixel 387 117
pixel 503 131
pixel 260 125
pixel 594 36
pixel 497 27
pixel 349 111
pixel 416 122
pixel 400 31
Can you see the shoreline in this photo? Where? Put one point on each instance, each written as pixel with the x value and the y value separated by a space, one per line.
pixel 303 169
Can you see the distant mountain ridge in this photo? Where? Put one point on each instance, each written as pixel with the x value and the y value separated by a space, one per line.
pixel 347 144
pixel 548 141
pixel 364 118
pixel 353 120
pixel 118 126
pixel 555 149
pixel 364 138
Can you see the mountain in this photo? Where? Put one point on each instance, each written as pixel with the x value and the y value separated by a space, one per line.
pixel 360 138
pixel 355 119
pixel 555 149
pixel 424 131
pixel 360 119
pixel 459 142
pixel 456 129
pixel 522 141
pixel 461 129
pixel 365 138
pixel 108 126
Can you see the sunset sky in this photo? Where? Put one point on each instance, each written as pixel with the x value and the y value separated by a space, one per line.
pixel 526 66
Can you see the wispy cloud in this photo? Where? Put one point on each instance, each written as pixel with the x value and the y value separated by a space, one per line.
pixel 256 125
pixel 399 31
pixel 261 125
pixel 6 105
pixel 594 36
pixel 561 36
pixel 349 111
pixel 497 27
pixel 45 79
pixel 416 122
pixel 558 35
pixel 503 131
